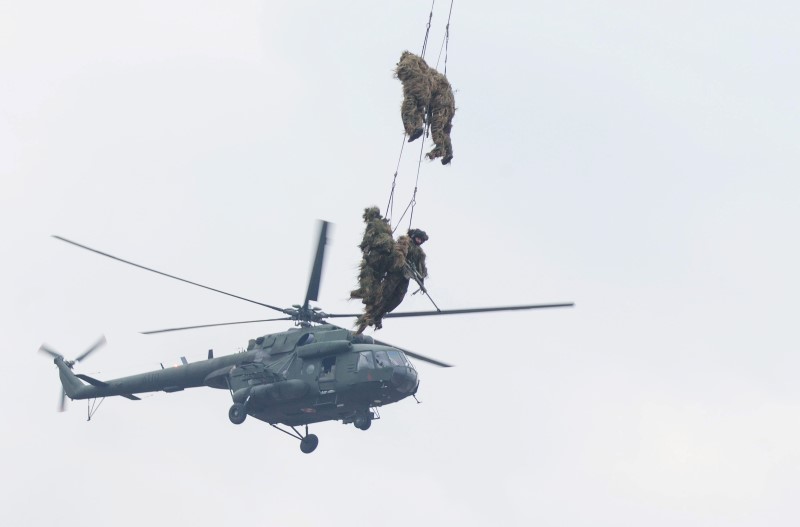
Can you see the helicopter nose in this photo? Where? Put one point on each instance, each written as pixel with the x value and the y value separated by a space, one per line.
pixel 404 379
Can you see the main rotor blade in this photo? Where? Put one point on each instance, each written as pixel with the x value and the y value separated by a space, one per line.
pixel 472 310
pixel 416 355
pixel 92 349
pixel 453 311
pixel 213 325
pixel 341 315
pixel 167 275
pixel 407 352
pixel 316 270
pixel 44 349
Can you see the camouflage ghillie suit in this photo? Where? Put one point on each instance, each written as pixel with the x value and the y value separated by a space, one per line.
pixel 377 248
pixel 394 286
pixel 426 92
pixel 442 109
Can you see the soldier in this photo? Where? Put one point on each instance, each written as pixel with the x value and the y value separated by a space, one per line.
pixel 414 73
pixel 376 250
pixel 426 92
pixel 409 263
pixel 442 109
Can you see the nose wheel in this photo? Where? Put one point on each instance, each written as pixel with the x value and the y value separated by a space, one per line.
pixel 363 421
pixel 237 413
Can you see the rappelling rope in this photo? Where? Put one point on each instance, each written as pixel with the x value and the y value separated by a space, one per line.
pixel 413 202
pixel 446 41
pixel 416 183
pixel 428 30
pixel 390 204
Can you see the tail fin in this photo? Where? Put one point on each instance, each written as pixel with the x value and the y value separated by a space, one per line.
pixel 73 386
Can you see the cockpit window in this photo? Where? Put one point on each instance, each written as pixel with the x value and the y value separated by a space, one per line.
pixel 397 358
pixel 365 361
pixel 382 359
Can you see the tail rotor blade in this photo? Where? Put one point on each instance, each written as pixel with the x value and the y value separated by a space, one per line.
pixel 94 347
pixel 63 403
pixel 54 354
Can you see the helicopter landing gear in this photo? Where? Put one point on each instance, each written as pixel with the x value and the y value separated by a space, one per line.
pixel 308 442
pixel 363 421
pixel 238 413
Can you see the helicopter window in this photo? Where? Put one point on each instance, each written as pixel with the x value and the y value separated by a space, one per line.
pixel 328 369
pixel 365 361
pixel 397 358
pixel 382 359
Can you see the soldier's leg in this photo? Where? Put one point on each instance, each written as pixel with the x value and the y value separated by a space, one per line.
pixel 397 296
pixel 363 279
pixel 412 117
pixel 384 299
pixel 448 145
pixel 437 132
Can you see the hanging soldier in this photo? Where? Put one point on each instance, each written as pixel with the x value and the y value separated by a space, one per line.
pixel 408 264
pixel 377 246
pixel 427 96
pixel 441 109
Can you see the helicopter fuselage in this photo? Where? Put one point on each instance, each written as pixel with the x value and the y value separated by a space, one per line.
pixel 297 377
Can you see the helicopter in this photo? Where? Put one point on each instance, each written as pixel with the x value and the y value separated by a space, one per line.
pixel 310 373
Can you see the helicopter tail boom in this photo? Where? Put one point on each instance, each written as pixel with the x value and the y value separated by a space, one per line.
pixel 73 386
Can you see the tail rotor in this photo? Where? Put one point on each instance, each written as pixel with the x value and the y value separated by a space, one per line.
pixel 70 363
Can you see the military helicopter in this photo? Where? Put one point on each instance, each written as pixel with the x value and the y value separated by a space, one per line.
pixel 311 373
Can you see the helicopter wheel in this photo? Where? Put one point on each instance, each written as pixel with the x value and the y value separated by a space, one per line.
pixel 362 422
pixel 309 443
pixel 237 414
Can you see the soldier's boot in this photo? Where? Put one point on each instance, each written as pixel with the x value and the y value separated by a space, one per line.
pixel 415 134
pixel 433 154
pixel 362 324
pixel 447 158
pixel 357 293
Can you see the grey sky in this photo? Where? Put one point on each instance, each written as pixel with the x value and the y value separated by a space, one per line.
pixel 638 158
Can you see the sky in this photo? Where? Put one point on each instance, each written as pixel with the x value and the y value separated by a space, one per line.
pixel 637 158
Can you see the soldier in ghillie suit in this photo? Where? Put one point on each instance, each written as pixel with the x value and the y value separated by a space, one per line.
pixel 442 109
pixel 426 92
pixel 377 248
pixel 408 264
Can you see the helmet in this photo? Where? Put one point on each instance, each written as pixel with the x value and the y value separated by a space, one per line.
pixel 418 233
pixel 371 213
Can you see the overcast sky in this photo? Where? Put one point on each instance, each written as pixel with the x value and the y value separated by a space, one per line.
pixel 638 158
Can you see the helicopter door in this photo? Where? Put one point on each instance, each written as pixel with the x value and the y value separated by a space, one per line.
pixel 327 374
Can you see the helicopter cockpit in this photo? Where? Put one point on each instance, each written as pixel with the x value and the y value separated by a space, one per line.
pixel 370 360
pixel 404 375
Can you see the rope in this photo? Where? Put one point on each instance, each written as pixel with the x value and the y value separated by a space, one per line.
pixel 427 31
pixel 419 165
pixel 390 205
pixel 445 41
pixel 413 202
pixel 416 185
